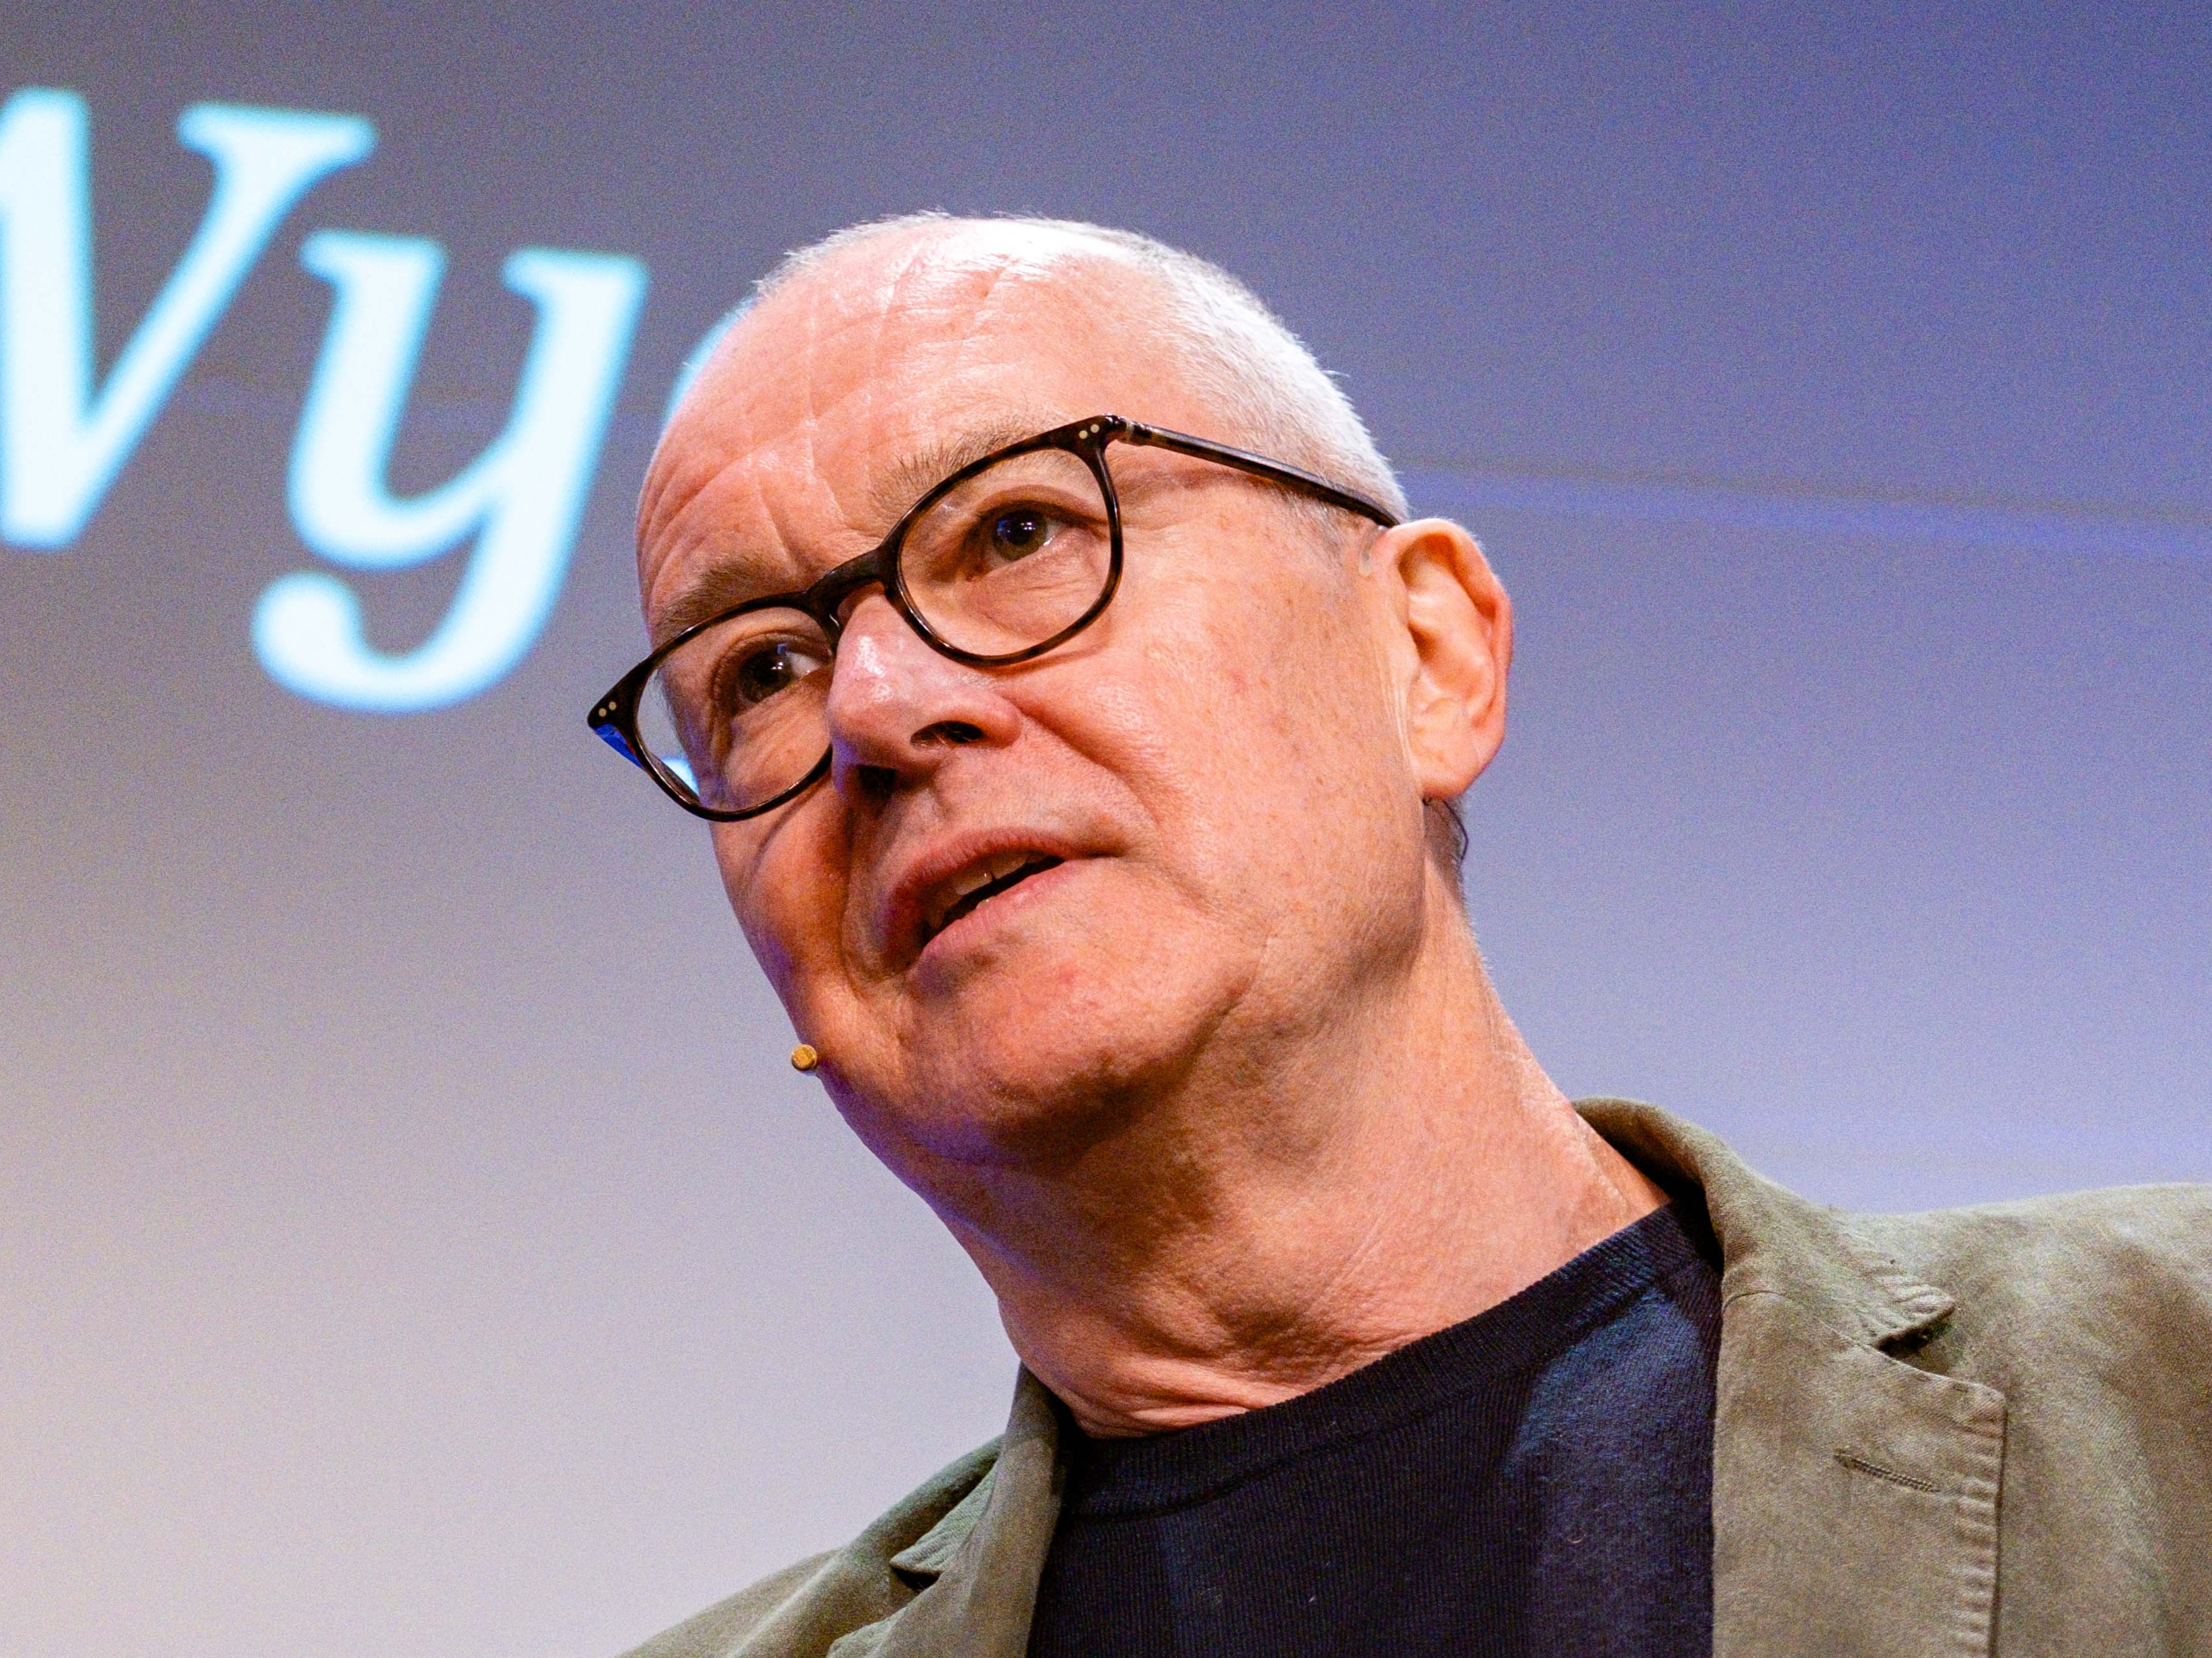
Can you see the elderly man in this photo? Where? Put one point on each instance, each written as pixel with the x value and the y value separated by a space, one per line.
pixel 1080 718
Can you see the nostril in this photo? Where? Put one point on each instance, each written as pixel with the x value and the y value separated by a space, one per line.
pixel 875 782
pixel 953 733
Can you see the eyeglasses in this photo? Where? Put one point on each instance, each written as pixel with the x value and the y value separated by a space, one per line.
pixel 1009 557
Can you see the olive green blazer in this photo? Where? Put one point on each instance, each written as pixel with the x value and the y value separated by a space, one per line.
pixel 1974 1430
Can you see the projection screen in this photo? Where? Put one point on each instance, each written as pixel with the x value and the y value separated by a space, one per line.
pixel 416 1242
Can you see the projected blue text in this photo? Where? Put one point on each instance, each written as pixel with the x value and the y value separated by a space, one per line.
pixel 62 442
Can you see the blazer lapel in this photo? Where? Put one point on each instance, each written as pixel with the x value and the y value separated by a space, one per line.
pixel 980 1564
pixel 1854 1496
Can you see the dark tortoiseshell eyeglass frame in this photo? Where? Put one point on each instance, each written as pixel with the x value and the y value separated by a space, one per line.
pixel 614 717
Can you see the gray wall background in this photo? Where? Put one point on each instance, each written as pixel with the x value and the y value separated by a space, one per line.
pixel 414 1240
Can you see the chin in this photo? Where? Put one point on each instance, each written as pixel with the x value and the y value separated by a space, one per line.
pixel 1052 1061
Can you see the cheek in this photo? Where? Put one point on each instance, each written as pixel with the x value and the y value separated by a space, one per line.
pixel 785 883
pixel 1260 731
pixel 1293 693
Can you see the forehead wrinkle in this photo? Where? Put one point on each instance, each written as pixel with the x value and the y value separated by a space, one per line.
pixel 711 563
pixel 736 571
pixel 684 483
pixel 1001 281
pixel 731 577
pixel 853 395
pixel 929 274
pixel 923 280
pixel 674 478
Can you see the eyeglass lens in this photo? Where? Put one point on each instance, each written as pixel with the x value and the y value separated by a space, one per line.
pixel 993 565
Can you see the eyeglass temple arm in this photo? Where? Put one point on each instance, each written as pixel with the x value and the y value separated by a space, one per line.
pixel 1244 460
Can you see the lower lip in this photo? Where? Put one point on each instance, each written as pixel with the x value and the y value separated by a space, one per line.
pixel 1004 906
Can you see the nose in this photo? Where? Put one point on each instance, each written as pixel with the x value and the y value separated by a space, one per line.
pixel 897 709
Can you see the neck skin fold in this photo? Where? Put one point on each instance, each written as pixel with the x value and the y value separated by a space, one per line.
pixel 1297 1204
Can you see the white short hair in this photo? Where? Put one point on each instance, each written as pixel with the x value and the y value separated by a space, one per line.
pixel 1237 353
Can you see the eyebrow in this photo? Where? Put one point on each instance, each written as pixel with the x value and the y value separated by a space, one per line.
pixel 706 596
pixel 725 586
pixel 913 475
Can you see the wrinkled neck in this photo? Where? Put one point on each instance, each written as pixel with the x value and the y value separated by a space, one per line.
pixel 1285 1214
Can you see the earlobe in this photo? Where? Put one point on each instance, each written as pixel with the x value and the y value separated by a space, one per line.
pixel 1458 623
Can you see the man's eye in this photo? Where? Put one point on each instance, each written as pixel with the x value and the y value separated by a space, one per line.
pixel 765 670
pixel 1015 532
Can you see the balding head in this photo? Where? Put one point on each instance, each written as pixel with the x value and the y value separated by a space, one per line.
pixel 1204 327
pixel 1208 809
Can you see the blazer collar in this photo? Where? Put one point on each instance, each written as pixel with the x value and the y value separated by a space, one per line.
pixel 1772 1242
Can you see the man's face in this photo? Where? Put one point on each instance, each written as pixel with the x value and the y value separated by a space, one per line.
pixel 1210 787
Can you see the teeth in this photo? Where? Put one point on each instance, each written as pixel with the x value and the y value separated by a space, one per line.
pixel 974 880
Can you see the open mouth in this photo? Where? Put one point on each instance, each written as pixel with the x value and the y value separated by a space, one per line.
pixel 978 886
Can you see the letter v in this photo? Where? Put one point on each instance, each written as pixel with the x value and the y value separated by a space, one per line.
pixel 59 448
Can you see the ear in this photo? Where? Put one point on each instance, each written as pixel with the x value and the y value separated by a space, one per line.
pixel 1455 652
